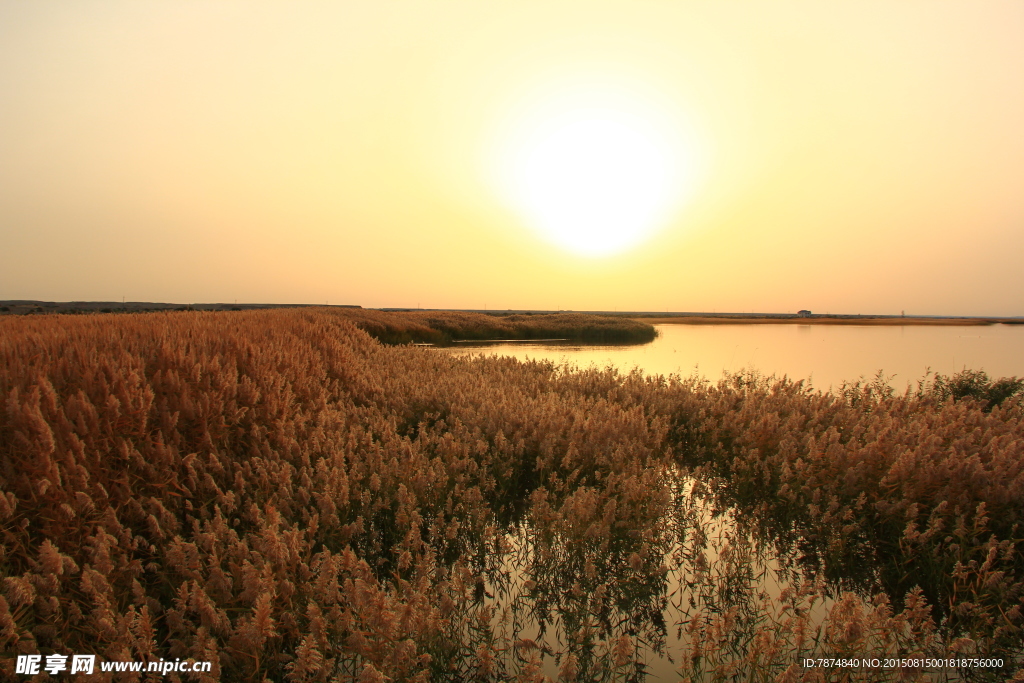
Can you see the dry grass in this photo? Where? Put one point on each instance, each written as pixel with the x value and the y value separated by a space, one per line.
pixel 442 327
pixel 279 493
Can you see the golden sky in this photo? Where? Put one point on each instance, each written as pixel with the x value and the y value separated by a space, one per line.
pixel 857 157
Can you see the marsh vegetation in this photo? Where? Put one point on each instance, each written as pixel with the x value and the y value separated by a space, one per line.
pixel 445 327
pixel 282 494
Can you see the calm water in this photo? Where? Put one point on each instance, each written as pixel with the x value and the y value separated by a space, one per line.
pixel 827 355
pixel 710 563
pixel 709 566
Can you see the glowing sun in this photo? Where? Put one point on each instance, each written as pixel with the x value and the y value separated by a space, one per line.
pixel 595 175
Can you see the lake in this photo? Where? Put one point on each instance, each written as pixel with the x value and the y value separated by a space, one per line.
pixel 826 355
pixel 710 562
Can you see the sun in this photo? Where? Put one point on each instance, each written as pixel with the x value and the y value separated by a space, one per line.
pixel 595 173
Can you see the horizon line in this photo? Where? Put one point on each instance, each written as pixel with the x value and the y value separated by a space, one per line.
pixel 804 314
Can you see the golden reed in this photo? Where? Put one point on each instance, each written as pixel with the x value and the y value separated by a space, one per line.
pixel 281 494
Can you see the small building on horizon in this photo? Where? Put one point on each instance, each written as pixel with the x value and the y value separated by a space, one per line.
pixel 803 313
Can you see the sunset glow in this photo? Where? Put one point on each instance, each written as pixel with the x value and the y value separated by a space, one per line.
pixel 574 340
pixel 587 156
pixel 595 175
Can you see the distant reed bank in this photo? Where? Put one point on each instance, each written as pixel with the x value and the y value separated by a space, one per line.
pixel 283 495
pixel 445 327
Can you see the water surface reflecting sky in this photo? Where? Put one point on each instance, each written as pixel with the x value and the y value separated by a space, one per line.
pixel 827 355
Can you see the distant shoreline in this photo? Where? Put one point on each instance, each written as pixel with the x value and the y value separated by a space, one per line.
pixel 755 319
pixel 28 307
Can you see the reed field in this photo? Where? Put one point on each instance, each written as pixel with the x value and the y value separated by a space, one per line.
pixel 444 327
pixel 300 495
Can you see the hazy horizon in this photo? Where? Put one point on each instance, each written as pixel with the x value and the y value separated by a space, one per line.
pixel 840 157
pixel 514 309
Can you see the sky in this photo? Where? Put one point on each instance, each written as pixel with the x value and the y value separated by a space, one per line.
pixel 844 157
